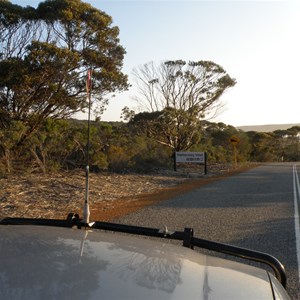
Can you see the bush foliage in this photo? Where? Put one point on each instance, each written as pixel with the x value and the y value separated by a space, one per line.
pixel 119 147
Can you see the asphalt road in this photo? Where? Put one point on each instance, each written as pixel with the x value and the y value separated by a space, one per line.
pixel 254 209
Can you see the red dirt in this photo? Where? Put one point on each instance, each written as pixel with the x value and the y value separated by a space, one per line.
pixel 123 206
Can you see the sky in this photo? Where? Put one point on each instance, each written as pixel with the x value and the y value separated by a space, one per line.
pixel 256 42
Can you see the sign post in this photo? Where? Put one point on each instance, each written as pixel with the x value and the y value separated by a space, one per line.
pixel 234 141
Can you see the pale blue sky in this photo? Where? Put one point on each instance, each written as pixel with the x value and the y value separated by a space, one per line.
pixel 257 43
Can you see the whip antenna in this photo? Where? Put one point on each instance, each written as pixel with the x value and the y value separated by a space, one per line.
pixel 86 209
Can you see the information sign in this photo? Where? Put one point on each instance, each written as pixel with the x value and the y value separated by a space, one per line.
pixel 190 157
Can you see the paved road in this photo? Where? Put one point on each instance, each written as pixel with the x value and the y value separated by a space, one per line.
pixel 254 209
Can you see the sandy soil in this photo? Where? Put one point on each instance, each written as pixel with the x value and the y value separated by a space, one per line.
pixel 110 195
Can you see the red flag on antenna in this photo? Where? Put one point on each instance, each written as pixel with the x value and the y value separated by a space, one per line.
pixel 89 81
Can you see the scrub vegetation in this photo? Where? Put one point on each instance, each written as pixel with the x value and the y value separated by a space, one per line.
pixel 124 147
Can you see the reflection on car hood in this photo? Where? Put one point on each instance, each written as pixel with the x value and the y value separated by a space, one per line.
pixel 61 263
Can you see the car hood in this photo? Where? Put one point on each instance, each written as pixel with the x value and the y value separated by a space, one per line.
pixel 62 263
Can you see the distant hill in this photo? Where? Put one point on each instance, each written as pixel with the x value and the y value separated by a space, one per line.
pixel 266 128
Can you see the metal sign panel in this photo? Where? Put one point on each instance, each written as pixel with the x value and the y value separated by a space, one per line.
pixel 234 140
pixel 190 157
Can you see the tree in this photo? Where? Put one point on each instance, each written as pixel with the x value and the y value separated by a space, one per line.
pixel 8 138
pixel 264 146
pixel 218 135
pixel 44 57
pixel 292 141
pixel 178 130
pixel 179 95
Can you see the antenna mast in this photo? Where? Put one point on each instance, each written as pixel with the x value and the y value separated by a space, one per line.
pixel 86 209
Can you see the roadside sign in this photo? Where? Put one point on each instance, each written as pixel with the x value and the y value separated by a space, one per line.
pixel 234 140
pixel 190 157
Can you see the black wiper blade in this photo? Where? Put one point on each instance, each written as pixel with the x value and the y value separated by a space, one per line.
pixel 69 222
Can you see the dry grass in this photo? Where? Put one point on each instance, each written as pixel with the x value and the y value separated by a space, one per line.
pixel 110 195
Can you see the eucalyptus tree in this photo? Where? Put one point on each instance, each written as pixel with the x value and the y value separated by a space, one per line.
pixel 44 57
pixel 293 143
pixel 179 94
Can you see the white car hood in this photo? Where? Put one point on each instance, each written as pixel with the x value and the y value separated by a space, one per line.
pixel 38 262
